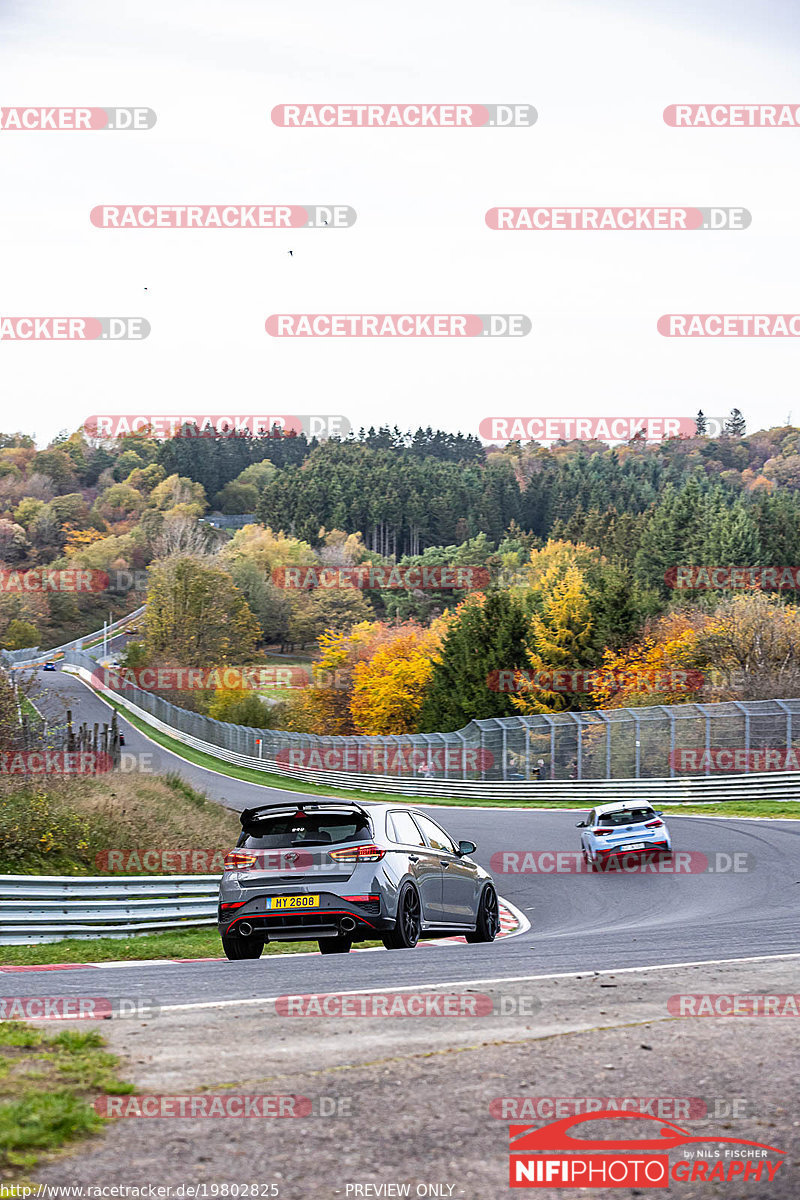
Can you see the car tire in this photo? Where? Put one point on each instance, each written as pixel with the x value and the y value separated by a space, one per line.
pixel 335 945
pixel 237 948
pixel 487 925
pixel 408 927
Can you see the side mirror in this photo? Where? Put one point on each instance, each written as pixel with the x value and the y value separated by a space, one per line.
pixel 659 814
pixel 466 848
pixel 581 825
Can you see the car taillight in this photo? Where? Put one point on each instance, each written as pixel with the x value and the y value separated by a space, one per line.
pixel 236 904
pixel 653 824
pixel 364 853
pixel 600 832
pixel 239 860
pixel 360 899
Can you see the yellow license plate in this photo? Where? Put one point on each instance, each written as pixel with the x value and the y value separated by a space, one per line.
pixel 275 902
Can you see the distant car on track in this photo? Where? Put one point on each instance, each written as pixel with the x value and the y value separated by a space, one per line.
pixel 49 666
pixel 611 830
pixel 338 872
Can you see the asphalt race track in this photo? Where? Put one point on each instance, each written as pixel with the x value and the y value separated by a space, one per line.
pixel 580 922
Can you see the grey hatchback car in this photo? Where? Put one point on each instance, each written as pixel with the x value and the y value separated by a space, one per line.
pixel 338 872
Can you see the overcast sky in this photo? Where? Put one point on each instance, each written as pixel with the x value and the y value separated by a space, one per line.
pixel 599 75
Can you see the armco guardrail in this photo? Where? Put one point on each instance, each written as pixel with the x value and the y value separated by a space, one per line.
pixel 772 785
pixel 24 658
pixel 48 908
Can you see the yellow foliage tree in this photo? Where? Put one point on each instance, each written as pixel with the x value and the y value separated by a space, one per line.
pixel 389 688
pixel 559 636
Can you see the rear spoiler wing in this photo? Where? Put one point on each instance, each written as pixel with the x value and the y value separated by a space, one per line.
pixel 249 815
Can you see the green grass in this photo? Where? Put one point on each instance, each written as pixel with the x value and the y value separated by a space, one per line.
pixel 30 711
pixel 188 943
pixel 735 808
pixel 48 1081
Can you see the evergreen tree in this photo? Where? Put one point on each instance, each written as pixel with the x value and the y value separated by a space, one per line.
pixel 485 637
pixel 735 426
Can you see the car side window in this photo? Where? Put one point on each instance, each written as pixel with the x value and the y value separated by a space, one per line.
pixel 590 819
pixel 404 830
pixel 436 838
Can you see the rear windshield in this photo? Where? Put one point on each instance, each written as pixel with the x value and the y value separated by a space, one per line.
pixel 306 829
pixel 627 816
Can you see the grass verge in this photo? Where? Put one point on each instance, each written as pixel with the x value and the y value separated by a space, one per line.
pixel 47 1085
pixel 789 810
pixel 185 943
pixel 65 826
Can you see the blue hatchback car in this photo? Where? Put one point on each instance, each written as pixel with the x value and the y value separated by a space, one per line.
pixel 622 828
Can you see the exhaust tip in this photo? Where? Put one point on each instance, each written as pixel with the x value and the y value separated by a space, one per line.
pixel 245 929
pixel 348 924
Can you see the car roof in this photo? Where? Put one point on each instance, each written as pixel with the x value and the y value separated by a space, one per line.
pixel 621 805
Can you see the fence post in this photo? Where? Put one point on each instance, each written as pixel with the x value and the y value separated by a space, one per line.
pixel 788 713
pixel 549 720
pixel 637 731
pixel 704 711
pixel 579 746
pixel 607 724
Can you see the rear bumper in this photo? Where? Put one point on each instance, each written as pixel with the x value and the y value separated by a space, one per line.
pixel 617 851
pixel 333 918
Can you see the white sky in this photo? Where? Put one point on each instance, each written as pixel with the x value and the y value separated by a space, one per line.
pixel 599 75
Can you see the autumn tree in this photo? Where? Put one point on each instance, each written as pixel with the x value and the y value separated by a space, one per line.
pixel 389 687
pixel 197 615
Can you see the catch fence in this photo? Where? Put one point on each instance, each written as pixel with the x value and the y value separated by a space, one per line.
pixel 659 742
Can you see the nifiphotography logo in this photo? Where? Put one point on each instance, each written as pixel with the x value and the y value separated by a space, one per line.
pixel 552 1157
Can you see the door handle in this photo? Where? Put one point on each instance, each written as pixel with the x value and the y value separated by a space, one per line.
pixel 447 864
